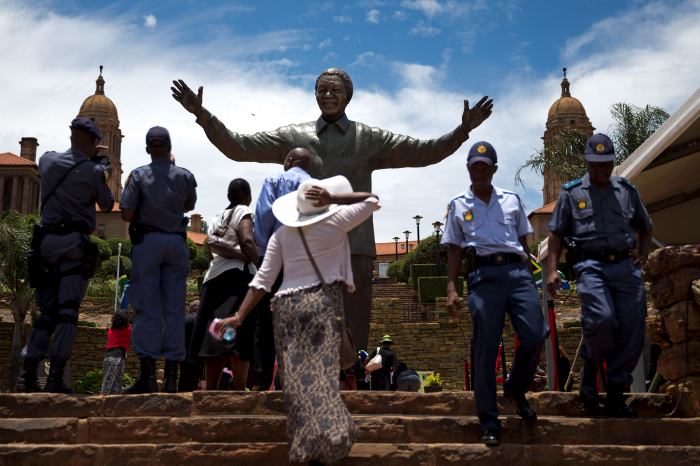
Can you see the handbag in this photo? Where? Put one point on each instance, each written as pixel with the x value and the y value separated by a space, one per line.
pixel 224 240
pixel 347 346
pixel 374 363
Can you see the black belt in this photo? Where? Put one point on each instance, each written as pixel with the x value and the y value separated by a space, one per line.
pixel 64 228
pixel 500 258
pixel 608 256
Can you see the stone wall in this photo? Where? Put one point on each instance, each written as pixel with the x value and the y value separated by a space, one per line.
pixel 88 352
pixel 674 323
pixel 443 345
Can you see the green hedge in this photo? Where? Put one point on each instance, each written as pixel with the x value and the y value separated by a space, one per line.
pixel 425 270
pixel 430 288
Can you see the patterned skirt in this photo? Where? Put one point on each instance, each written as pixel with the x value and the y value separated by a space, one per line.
pixel 307 325
pixel 112 375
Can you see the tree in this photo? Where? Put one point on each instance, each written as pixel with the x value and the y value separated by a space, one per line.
pixel 631 126
pixel 15 242
pixel 563 157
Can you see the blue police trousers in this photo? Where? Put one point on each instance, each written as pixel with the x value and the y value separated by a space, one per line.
pixel 60 300
pixel 159 267
pixel 613 310
pixel 493 292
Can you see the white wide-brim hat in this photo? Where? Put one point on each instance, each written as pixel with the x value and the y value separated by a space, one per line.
pixel 294 210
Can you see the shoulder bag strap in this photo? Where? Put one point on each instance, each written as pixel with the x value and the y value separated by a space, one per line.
pixel 48 196
pixel 311 258
pixel 228 220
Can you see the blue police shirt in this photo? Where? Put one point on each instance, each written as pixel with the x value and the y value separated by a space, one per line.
pixel 160 193
pixel 75 198
pixel 596 220
pixel 491 228
pixel 273 188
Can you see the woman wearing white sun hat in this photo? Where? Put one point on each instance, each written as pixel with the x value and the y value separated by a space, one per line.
pixel 307 323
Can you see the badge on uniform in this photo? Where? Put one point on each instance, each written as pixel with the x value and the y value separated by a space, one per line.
pixel 581 204
pixel 468 216
pixel 600 148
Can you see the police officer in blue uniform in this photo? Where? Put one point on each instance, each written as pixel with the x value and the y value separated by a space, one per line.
pixel 154 201
pixel 601 219
pixel 488 225
pixel 63 258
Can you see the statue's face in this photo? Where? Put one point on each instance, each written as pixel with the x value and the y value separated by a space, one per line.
pixel 331 96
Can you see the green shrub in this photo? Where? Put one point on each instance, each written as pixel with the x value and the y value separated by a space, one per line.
pixel 91 382
pixel 108 268
pixel 200 262
pixel 114 246
pixel 191 248
pixel 103 247
pixel 430 288
pixel 86 323
pixel 99 286
pixel 425 270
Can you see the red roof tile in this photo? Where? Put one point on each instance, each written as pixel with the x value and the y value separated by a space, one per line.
pixel 198 238
pixel 545 209
pixel 386 249
pixel 10 159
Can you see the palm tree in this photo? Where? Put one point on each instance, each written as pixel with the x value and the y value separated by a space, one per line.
pixel 562 157
pixel 631 126
pixel 15 242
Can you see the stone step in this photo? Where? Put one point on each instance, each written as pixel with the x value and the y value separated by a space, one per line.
pixel 371 429
pixel 16 405
pixel 362 454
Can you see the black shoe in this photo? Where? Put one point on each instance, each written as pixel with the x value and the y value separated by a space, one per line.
pixel 522 406
pixel 615 405
pixel 54 382
pixel 29 379
pixel 170 383
pixel 491 437
pixel 588 393
pixel 146 382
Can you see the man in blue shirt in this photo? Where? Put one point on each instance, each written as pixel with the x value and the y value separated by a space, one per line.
pixel 154 200
pixel 71 183
pixel 297 165
pixel 602 219
pixel 490 225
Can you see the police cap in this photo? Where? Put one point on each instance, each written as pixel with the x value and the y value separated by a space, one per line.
pixel 482 151
pixel 599 148
pixel 158 133
pixel 86 124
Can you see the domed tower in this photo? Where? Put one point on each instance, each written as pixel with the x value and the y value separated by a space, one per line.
pixel 102 110
pixel 566 112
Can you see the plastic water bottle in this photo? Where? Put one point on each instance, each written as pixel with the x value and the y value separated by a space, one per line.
pixel 229 333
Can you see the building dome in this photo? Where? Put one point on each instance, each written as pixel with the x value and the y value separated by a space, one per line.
pixel 566 105
pixel 99 107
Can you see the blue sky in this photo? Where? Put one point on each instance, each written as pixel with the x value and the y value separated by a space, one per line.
pixel 412 63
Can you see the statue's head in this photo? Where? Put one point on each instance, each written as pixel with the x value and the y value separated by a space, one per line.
pixel 333 92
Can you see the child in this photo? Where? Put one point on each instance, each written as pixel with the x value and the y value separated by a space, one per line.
pixel 118 342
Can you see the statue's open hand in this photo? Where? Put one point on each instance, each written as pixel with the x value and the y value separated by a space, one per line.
pixel 183 94
pixel 473 117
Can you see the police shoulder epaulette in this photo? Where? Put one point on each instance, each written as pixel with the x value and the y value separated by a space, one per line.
pixel 572 183
pixel 625 181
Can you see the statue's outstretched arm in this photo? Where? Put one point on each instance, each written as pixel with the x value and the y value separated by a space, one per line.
pixel 187 98
pixel 472 117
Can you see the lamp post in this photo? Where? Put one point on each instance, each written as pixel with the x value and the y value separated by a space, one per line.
pixel 437 230
pixel 396 248
pixel 406 233
pixel 417 219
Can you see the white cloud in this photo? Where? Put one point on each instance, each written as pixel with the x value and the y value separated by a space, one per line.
pixel 449 8
pixel 150 21
pixel 429 7
pixel 399 15
pixel 373 16
pixel 342 19
pixel 423 30
pixel 325 43
pixel 640 64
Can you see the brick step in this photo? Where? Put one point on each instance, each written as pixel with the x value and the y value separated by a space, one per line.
pixel 18 405
pixel 372 429
pixel 362 454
